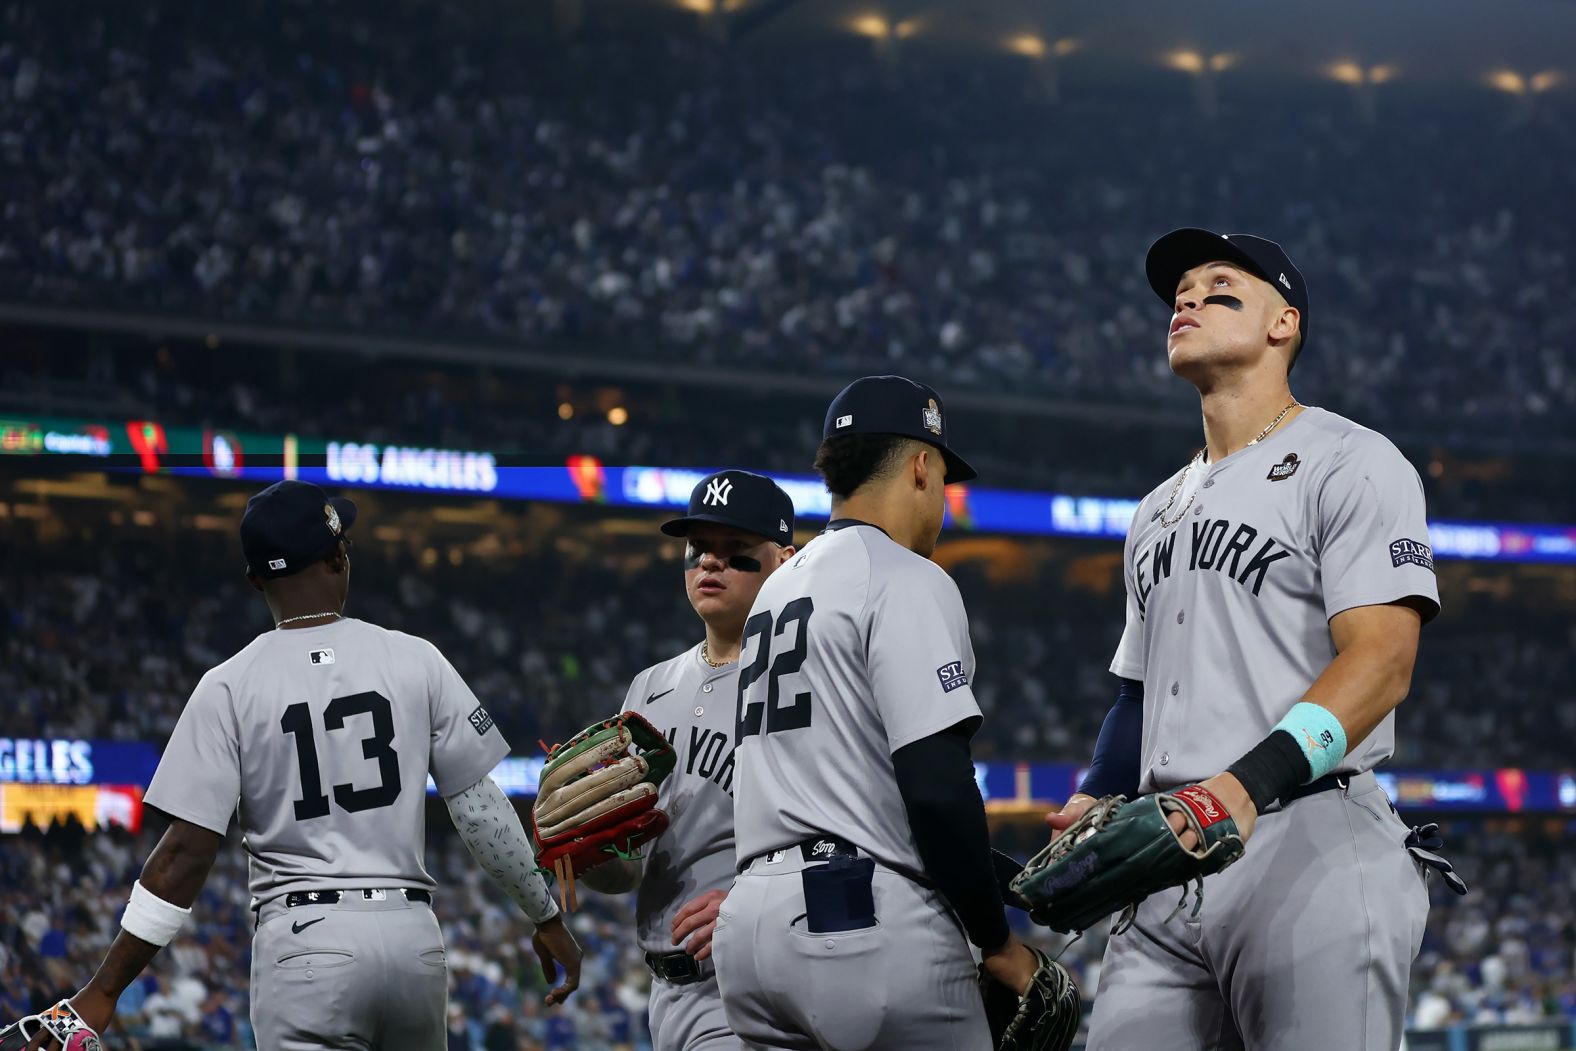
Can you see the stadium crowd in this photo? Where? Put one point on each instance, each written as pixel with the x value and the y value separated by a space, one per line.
pixel 104 635
pixel 659 196
pixel 1503 954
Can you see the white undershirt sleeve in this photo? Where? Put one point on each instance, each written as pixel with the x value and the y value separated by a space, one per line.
pixel 494 835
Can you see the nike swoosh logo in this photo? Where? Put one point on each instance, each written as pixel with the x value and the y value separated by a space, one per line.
pixel 654 696
pixel 297 928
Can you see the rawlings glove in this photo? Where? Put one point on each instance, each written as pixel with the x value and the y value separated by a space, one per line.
pixel 62 1022
pixel 597 797
pixel 1119 853
pixel 1044 1019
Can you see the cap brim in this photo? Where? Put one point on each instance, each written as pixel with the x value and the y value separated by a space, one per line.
pixel 958 469
pixel 681 526
pixel 1181 250
pixel 346 510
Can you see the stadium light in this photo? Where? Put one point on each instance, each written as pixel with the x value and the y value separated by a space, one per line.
pixel 565 410
pixel 618 416
pixel 873 26
pixel 905 29
pixel 1222 62
pixel 1064 47
pixel 1508 81
pixel 1351 73
pixel 700 7
pixel 1026 44
pixel 1186 61
pixel 1547 79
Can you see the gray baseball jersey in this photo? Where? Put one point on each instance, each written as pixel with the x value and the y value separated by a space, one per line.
pixel 325 737
pixel 1228 609
pixel 692 704
pixel 855 648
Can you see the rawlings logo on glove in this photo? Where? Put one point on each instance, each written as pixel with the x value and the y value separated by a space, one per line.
pixel 62 1022
pixel 597 797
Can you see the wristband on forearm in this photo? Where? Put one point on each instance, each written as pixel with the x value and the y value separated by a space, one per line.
pixel 1303 747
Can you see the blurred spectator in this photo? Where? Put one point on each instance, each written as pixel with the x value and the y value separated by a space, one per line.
pixel 659 196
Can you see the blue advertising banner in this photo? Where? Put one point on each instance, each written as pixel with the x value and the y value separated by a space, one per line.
pixel 145 446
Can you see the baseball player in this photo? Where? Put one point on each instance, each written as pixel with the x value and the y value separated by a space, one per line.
pixel 863 853
pixel 738 530
pixel 1276 587
pixel 324 732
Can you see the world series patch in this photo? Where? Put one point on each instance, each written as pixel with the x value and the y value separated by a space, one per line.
pixel 481 720
pixel 952 676
pixel 1403 552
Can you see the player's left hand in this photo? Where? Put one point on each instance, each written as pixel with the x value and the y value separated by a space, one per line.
pixel 1226 788
pixel 555 945
pixel 697 921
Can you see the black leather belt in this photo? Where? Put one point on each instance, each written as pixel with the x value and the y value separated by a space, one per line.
pixel 1323 784
pixel 821 848
pixel 332 897
pixel 677 968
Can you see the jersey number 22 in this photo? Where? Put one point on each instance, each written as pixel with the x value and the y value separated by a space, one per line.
pixel 767 716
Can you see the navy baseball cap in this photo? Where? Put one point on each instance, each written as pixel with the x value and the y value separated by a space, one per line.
pixel 742 499
pixel 1181 250
pixel 895 405
pixel 291 525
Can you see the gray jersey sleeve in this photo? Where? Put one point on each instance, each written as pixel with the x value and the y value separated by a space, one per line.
pixel 465 743
pixel 920 656
pixel 1373 530
pixel 1128 663
pixel 199 775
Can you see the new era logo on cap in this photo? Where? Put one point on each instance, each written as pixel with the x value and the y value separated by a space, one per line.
pixel 1285 281
pixel 276 563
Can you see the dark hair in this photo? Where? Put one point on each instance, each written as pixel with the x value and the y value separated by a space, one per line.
pixel 847 461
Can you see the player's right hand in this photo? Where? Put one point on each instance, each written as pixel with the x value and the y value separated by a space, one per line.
pixel 1013 965
pixel 1071 811
pixel 556 947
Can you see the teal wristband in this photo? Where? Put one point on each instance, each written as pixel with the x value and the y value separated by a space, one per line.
pixel 1318 733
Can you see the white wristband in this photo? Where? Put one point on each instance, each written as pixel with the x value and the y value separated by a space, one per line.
pixel 151 918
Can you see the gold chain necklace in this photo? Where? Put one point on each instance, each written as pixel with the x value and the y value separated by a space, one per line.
pixel 1198 457
pixel 705 655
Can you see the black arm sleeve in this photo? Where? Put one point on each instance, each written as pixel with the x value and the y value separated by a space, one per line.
pixel 1114 770
pixel 935 776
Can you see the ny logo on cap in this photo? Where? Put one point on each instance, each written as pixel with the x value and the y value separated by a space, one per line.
pixel 933 418
pixel 717 491
pixel 332 516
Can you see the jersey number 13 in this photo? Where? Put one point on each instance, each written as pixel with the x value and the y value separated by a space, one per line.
pixel 297 720
pixel 767 716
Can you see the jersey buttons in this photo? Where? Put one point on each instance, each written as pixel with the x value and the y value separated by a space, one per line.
pixel 706 688
pixel 1176 686
pixel 1180 616
pixel 1165 758
pixel 1208 482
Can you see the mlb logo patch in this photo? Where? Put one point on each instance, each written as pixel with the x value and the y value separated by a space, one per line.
pixel 952 676
pixel 322 656
pixel 844 421
pixel 481 720
pixel 1411 552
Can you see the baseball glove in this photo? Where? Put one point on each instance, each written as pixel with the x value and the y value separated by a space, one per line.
pixel 1119 853
pixel 597 797
pixel 1044 1019
pixel 62 1022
